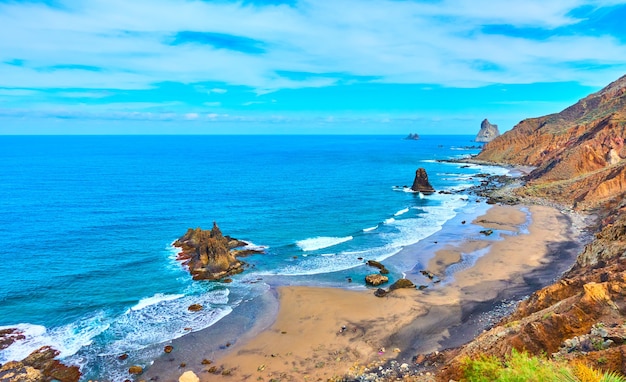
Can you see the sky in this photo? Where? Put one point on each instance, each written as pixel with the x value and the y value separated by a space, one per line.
pixel 300 67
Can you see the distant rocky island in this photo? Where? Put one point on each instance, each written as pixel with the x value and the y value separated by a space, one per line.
pixel 209 255
pixel 412 137
pixel 487 132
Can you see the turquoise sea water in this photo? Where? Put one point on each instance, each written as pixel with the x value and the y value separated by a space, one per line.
pixel 86 224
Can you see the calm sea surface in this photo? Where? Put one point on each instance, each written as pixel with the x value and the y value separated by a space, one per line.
pixel 86 224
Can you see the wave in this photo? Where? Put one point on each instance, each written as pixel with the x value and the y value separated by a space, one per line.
pixel 67 339
pixel 320 242
pixel 408 190
pixel 389 221
pixel 370 229
pixel 401 212
pixel 157 298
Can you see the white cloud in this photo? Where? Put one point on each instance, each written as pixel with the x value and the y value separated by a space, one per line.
pixel 403 42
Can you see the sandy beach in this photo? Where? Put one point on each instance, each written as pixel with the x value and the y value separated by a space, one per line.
pixel 322 333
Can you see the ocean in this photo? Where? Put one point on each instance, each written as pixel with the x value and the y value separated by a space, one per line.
pixel 87 222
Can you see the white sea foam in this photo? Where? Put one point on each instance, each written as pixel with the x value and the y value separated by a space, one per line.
pixel 320 242
pixel 157 298
pixel 370 229
pixel 67 339
pixel 165 320
pixel 390 220
pixel 401 212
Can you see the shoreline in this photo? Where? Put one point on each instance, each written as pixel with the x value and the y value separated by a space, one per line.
pixel 407 323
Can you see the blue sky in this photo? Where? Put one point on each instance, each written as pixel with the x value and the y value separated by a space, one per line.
pixel 301 67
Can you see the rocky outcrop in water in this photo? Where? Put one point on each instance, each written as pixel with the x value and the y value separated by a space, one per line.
pixel 209 255
pixel 421 183
pixel 412 137
pixel 39 366
pixel 487 132
pixel 578 153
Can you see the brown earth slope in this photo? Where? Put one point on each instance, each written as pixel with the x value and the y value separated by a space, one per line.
pixel 579 158
pixel 578 153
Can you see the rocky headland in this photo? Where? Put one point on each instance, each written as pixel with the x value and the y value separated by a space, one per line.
pixel 39 366
pixel 487 132
pixel 578 159
pixel 209 255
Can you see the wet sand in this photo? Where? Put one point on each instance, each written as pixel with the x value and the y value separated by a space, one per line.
pixel 321 333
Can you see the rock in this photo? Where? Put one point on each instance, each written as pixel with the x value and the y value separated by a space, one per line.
pixel 376 279
pixel 428 274
pixel 402 283
pixel 135 370
pixel 206 361
pixel 209 255
pixel 9 336
pixel 39 366
pixel 380 292
pixel 412 137
pixel 421 183
pixel 168 348
pixel 195 308
pixel 487 132
pixel 487 232
pixel 376 264
pixel 189 376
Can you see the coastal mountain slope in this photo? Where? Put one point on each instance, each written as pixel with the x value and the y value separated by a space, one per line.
pixel 578 153
pixel 579 158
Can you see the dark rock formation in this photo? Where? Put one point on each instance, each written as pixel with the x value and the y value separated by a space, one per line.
pixel 487 132
pixel 421 183
pixel 39 366
pixel 376 264
pixel 376 279
pixel 412 137
pixel 8 336
pixel 209 255
pixel 402 283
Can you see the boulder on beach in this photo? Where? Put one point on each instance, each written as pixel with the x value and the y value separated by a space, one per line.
pixel 421 183
pixel 402 283
pixel 189 376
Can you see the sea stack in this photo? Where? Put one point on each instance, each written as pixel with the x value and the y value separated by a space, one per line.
pixel 487 132
pixel 421 183
pixel 209 255
pixel 412 137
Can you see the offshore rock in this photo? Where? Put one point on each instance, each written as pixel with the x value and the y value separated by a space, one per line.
pixel 39 366
pixel 209 255
pixel 487 132
pixel 402 283
pixel 412 137
pixel 421 183
pixel 376 279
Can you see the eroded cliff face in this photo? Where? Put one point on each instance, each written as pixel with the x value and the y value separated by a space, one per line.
pixel 579 158
pixel 578 153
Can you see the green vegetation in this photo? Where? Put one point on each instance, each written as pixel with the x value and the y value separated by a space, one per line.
pixel 521 367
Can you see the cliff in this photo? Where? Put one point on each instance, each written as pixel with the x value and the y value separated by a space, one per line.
pixel 209 255
pixel 488 132
pixel 579 158
pixel 578 153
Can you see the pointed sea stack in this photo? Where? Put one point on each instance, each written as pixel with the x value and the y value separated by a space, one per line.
pixel 421 183
pixel 487 132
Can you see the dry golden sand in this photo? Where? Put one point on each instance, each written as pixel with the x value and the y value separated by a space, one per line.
pixel 307 342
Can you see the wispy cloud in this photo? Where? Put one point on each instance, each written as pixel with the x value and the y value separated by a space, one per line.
pixel 117 46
